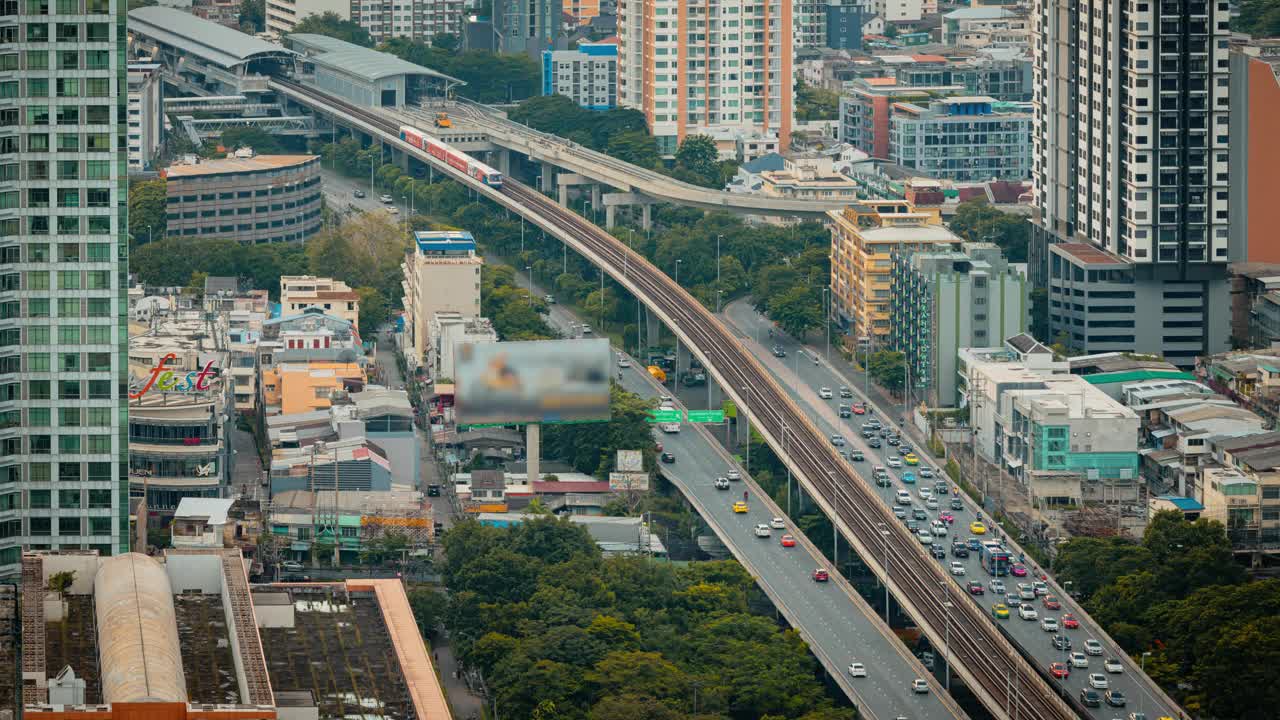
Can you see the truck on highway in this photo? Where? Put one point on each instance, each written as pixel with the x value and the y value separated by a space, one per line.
pixel 443 121
pixel 658 373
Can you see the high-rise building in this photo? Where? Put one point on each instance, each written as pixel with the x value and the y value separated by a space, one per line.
pixel 441 274
pixel 693 64
pixel 415 19
pixel 1255 149
pixel 63 476
pixel 146 114
pixel 1130 167
pixel 529 26
pixel 587 75
pixel 965 138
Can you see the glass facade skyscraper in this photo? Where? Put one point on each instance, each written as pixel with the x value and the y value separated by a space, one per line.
pixel 63 268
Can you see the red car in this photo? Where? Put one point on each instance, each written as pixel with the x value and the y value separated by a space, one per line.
pixel 947 518
pixel 1051 603
pixel 975 588
pixel 859 409
pixel 1018 571
pixel 1070 622
pixel 788 541
pixel 820 575
pixel 1060 670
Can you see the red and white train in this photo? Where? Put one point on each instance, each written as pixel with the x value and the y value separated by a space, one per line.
pixel 456 159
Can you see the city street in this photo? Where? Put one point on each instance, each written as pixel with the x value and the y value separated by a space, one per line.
pixel 340 194
pixel 798 371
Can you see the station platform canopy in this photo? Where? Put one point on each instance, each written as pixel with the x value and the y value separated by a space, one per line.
pixel 359 62
pixel 215 43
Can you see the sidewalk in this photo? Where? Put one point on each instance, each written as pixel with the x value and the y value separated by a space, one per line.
pixel 464 704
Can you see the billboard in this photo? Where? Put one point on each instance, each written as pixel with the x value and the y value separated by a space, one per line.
pixel 542 381
pixel 629 461
pixel 625 481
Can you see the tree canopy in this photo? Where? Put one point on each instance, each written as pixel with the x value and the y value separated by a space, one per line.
pixel 490 77
pixel 976 221
pixel 815 103
pixel 1180 595
pixel 1259 18
pixel 332 25
pixel 591 447
pixel 147 218
pixel 560 632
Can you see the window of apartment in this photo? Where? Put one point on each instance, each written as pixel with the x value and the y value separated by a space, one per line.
pixel 68 87
pixel 69 362
pixel 40 500
pixel 99 499
pixel 38 32
pixel 40 444
pixel 68 279
pixel 37 362
pixel 68 526
pixel 39 390
pixel 68 32
pixel 68 170
pixel 39 417
pixel 68 389
pixel 99 389
pixel 98 335
pixel 68 498
pixel 68 334
pixel 99 307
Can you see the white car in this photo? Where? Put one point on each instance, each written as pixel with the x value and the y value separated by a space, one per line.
pixel 924 537
pixel 670 428
pixel 778 523
pixel 894 461
pixel 1040 588
pixel 1079 660
pixel 624 363
pixel 1026 592
pixel 824 393
pixel 902 498
pixel 996 586
pixel 857 670
pixel 931 504
pixel 733 475
pixel 925 493
pixel 1112 666
pixel 1092 647
pixel 919 685
pixel 1049 624
pixel 1026 612
pixel 386 199
pixel 957 568
pixel 762 530
pixel 938 529
pixel 1098 681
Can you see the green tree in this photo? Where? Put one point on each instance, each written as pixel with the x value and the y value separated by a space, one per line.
pixel 698 155
pixel 633 146
pixel 253 16
pixel 815 103
pixel 1259 18
pixel 261 141
pixel 147 200
pixel 976 221
pixel 591 447
pixel 332 25
pixel 428 607
pixel 374 311
pixel 797 310
pixel 888 368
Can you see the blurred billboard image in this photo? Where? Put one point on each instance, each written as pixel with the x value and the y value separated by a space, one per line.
pixel 543 381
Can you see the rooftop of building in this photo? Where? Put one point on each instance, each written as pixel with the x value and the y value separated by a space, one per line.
pixel 982 12
pixel 202 38
pixel 1077 397
pixel 889 234
pixel 214 511
pixel 1116 362
pixel 1026 344
pixel 365 502
pixel 365 63
pixel 1184 504
pixel 1247 362
pixel 1214 419
pixel 1086 254
pixel 236 165
pixel 376 400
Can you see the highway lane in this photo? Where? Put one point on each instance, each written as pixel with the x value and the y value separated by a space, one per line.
pixel 834 620
pixel 807 378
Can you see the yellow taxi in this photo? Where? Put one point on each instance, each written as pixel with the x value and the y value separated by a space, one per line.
pixel 977 528
pixel 1000 610
pixel 911 459
pixel 741 507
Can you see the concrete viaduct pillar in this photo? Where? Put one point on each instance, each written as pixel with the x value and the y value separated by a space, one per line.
pixel 566 180
pixel 613 200
pixel 546 177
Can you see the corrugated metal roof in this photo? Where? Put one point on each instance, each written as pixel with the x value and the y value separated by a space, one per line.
pixel 362 62
pixel 204 38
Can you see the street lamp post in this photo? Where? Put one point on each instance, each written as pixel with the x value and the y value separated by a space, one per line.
pixel 148 234
pixel 826 304
pixel 747 419
pixel 785 428
pixel 522 236
pixel 1143 667
pixel 528 269
pixel 835 530
pixel 947 607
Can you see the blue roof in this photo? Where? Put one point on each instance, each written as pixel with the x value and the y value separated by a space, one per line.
pixel 1184 504
pixel 444 241
pixel 601 49
pixel 770 162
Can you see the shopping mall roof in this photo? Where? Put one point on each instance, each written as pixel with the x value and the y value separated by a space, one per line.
pixel 361 62
pixel 212 41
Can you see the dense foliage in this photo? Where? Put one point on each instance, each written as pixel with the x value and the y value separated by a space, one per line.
pixel 592 447
pixel 815 103
pixel 1213 636
pixel 489 77
pixel 560 632
pixel 332 25
pixel 976 221
pixel 622 133
pixel 1259 18
pixel 173 262
pixel 147 216
pixel 889 369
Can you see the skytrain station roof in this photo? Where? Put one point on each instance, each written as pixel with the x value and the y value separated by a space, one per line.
pixel 216 43
pixel 361 62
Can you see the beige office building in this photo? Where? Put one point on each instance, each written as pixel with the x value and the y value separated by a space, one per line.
pixel 245 197
pixel 441 274
pixel 334 297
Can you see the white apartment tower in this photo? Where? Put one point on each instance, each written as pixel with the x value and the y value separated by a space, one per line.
pixel 384 19
pixel 441 275
pixel 1130 172
pixel 695 64
pixel 63 264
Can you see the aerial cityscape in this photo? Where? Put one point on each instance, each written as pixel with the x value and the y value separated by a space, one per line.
pixel 639 360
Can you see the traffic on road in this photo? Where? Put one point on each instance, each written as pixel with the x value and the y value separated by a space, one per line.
pixel 960 536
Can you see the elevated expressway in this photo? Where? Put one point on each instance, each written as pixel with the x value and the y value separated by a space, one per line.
pixel 981 656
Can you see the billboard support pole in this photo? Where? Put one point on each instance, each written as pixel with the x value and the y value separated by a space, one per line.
pixel 533 450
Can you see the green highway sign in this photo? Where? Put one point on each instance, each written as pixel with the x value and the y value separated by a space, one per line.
pixel 665 416
pixel 706 416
